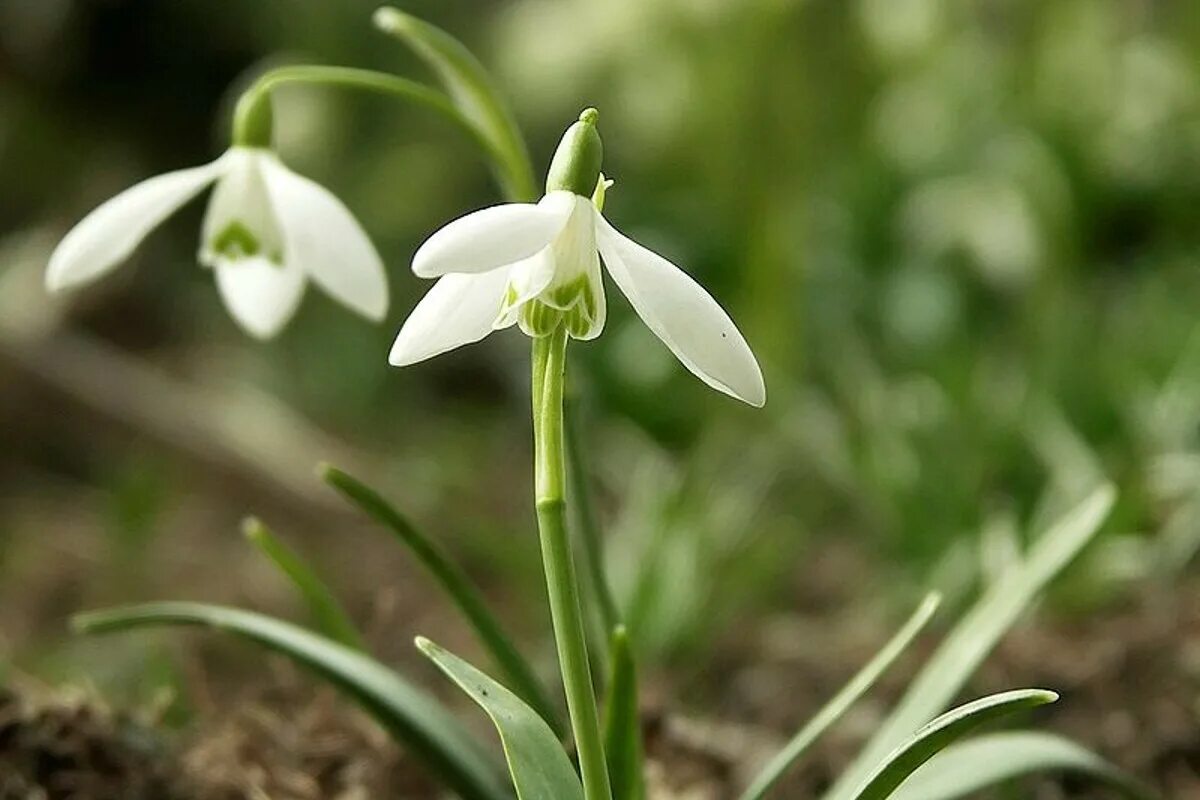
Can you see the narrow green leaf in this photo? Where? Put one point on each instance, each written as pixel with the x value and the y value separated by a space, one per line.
pixel 841 702
pixel 988 760
pixel 327 613
pixel 975 636
pixel 457 585
pixel 539 765
pixel 472 90
pixel 417 721
pixel 941 733
pixel 622 723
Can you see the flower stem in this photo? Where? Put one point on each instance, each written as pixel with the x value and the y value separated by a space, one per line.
pixel 253 107
pixel 549 367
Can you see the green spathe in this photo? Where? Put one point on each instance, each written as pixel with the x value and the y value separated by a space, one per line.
pixel 576 164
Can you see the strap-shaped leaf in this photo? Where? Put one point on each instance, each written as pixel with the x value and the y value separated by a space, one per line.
pixel 940 734
pixel 471 89
pixel 988 760
pixel 975 636
pixel 435 738
pixel 622 725
pixel 539 765
pixel 330 618
pixel 457 586
pixel 841 702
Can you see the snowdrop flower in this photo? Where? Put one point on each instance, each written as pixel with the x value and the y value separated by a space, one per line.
pixel 267 232
pixel 538 266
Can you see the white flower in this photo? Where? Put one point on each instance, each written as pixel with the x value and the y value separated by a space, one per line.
pixel 267 232
pixel 538 265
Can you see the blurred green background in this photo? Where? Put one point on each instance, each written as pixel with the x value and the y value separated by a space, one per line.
pixel 961 237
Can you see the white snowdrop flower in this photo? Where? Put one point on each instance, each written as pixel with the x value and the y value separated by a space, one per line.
pixel 267 232
pixel 538 266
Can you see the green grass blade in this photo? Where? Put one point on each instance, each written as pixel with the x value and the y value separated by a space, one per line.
pixel 974 637
pixel 622 723
pixel 841 702
pixel 434 737
pixel 327 613
pixel 472 90
pixel 539 765
pixel 457 585
pixel 941 733
pixel 998 757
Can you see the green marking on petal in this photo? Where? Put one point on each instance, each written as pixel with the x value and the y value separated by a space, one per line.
pixel 236 241
pixel 538 319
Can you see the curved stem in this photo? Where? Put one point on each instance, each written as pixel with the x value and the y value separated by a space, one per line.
pixel 255 103
pixel 549 366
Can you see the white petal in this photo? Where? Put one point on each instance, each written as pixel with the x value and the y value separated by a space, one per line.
pixel 324 238
pixel 108 235
pixel 260 294
pixel 493 237
pixel 458 310
pixel 683 315
pixel 241 198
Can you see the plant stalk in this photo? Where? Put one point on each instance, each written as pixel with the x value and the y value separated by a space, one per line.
pixel 253 109
pixel 549 367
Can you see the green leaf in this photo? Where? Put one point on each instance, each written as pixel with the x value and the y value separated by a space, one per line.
pixel 472 90
pixel 330 618
pixel 539 765
pixel 974 637
pixel 456 584
pixel 841 702
pixel 992 759
pixel 434 737
pixel 941 733
pixel 622 724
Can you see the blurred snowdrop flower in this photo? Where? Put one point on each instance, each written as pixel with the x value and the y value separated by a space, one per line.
pixel 538 266
pixel 267 232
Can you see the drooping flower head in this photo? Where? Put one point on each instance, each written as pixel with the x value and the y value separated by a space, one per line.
pixel 538 266
pixel 267 232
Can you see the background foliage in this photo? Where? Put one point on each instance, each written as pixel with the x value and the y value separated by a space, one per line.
pixel 960 235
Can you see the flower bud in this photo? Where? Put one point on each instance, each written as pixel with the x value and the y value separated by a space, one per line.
pixel 576 164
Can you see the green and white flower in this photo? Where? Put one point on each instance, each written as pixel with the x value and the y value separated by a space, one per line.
pixel 267 232
pixel 538 266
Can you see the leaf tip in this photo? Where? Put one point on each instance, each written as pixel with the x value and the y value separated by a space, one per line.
pixel 389 19
pixel 426 646
pixel 253 529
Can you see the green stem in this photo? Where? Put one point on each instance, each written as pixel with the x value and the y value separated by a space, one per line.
pixel 252 116
pixel 549 367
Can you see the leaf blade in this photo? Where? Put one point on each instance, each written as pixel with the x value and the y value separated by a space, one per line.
pixel 991 759
pixel 471 89
pixel 331 619
pixel 408 713
pixel 537 762
pixel 456 584
pixel 978 632
pixel 833 710
pixel 622 724
pixel 941 733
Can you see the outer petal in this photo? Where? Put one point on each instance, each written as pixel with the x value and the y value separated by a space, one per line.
pixel 323 237
pixel 260 294
pixel 683 315
pixel 493 237
pixel 458 310
pixel 108 235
